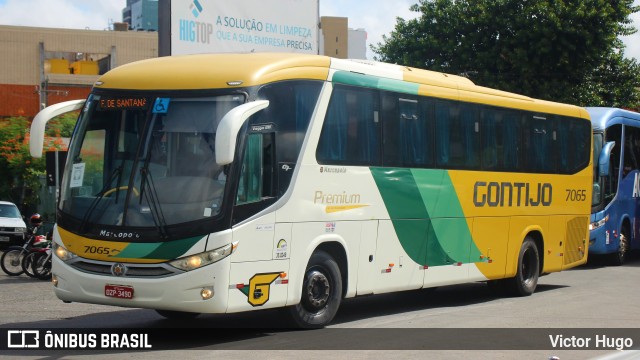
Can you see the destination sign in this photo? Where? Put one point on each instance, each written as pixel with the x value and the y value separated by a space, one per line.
pixel 128 103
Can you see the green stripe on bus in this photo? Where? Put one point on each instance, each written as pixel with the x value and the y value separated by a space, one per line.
pixel 163 251
pixel 426 215
pixel 350 78
pixel 137 250
pixel 444 205
pixel 174 249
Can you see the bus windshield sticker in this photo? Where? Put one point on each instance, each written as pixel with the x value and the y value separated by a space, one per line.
pixel 161 106
pixel 77 175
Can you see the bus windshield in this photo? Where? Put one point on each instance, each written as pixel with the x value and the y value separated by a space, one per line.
pixel 146 161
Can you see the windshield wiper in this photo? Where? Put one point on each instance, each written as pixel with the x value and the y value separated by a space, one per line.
pixel 115 174
pixel 151 195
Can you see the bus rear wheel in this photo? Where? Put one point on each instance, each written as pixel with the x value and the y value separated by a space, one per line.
pixel 321 293
pixel 526 279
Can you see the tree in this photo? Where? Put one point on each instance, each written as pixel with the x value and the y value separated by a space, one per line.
pixel 616 83
pixel 558 50
pixel 19 171
pixel 62 125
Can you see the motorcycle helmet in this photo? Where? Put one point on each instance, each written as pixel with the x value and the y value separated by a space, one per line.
pixel 36 219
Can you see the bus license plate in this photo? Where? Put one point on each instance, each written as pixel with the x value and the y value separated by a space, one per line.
pixel 118 291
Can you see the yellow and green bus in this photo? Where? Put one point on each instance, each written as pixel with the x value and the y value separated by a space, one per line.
pixel 221 183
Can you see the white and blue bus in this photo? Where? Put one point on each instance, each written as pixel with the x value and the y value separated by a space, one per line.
pixel 616 183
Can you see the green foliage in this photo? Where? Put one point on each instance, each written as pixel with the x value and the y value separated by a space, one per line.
pixel 615 82
pixel 62 125
pixel 559 50
pixel 18 170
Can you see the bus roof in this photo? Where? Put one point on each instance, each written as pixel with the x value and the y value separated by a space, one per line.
pixel 453 87
pixel 210 71
pixel 216 71
pixel 601 116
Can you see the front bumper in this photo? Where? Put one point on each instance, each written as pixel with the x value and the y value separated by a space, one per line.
pixel 178 292
pixel 13 237
pixel 603 241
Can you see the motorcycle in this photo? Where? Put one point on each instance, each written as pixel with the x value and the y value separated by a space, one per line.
pixel 11 260
pixel 40 244
pixel 41 265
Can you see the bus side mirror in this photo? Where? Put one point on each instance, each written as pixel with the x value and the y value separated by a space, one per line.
pixel 230 125
pixel 604 158
pixel 38 124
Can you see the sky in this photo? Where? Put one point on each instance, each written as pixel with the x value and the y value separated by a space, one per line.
pixel 377 17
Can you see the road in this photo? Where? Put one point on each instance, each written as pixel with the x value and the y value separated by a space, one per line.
pixel 381 326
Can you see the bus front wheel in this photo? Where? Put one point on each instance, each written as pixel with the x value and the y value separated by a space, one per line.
pixel 526 279
pixel 321 293
pixel 619 257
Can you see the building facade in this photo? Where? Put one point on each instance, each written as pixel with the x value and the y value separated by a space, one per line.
pixel 357 44
pixel 44 66
pixel 339 41
pixel 141 15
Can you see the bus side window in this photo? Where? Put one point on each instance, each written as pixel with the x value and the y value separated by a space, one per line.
pixel 630 159
pixel 257 173
pixel 611 183
pixel 351 132
pixel 407 130
pixel 539 153
pixel 457 135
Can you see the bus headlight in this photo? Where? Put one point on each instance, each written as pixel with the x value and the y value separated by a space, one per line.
pixel 62 253
pixel 199 260
pixel 598 224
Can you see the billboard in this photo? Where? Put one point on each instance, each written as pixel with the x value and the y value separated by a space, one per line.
pixel 219 26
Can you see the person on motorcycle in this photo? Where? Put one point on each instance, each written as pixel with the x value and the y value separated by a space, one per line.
pixel 35 220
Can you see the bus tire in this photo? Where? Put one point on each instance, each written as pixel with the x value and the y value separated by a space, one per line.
pixel 177 315
pixel 526 279
pixel 619 257
pixel 321 293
